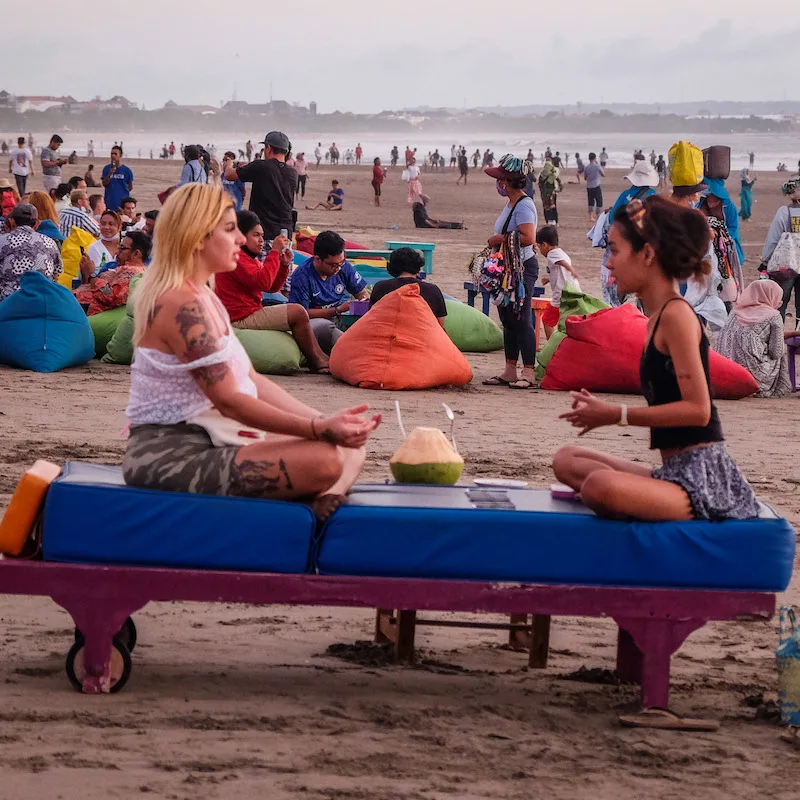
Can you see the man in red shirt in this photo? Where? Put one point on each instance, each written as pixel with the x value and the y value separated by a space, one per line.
pixel 241 291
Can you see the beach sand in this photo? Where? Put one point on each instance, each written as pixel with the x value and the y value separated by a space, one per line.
pixel 227 701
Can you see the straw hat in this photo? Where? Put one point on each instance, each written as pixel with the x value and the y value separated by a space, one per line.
pixel 5 183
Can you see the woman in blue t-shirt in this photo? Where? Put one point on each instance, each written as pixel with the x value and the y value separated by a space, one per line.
pixel 519 215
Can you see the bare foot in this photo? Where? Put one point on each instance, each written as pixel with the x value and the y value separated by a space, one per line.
pixel 319 367
pixel 324 506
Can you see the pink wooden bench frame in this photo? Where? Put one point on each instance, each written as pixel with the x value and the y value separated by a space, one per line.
pixel 653 623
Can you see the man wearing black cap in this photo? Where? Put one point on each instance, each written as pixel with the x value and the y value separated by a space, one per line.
pixel 23 250
pixel 51 163
pixel 274 185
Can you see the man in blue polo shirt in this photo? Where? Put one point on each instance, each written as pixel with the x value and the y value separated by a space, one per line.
pixel 118 180
pixel 322 284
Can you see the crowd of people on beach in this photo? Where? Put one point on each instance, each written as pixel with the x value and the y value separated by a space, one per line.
pixel 676 254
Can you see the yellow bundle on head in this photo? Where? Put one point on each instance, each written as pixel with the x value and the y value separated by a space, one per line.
pixel 685 164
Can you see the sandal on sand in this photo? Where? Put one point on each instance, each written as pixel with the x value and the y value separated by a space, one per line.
pixel 496 381
pixel 666 720
pixel 791 736
pixel 522 383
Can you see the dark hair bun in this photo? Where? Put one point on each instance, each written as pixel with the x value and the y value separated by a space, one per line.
pixel 679 236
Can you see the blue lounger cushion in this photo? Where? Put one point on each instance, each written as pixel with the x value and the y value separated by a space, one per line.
pixel 526 536
pixel 91 516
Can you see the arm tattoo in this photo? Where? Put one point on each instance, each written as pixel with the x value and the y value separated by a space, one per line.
pixel 260 478
pixel 328 436
pixel 200 342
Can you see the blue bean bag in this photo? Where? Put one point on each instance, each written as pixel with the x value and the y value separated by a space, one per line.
pixel 43 327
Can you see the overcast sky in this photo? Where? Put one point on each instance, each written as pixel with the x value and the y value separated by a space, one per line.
pixel 369 55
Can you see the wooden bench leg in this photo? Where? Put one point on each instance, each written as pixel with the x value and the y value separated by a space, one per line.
pixel 657 640
pixel 397 629
pixel 540 642
pixel 406 628
pixel 536 641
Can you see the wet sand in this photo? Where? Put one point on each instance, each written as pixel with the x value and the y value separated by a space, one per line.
pixel 229 701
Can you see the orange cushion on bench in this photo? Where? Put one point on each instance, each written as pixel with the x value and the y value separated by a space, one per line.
pixel 399 344
pixel 25 505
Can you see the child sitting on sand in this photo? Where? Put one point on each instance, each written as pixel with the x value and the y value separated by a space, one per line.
pixel 560 273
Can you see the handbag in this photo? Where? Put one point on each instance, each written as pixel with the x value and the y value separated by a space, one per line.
pixel 788 662
pixel 226 432
pixel 783 264
pixel 498 274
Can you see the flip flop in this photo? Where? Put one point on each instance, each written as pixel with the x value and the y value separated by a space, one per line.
pixel 791 736
pixel 522 383
pixel 496 381
pixel 320 371
pixel 666 720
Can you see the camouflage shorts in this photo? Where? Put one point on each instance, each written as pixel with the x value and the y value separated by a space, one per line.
pixel 180 458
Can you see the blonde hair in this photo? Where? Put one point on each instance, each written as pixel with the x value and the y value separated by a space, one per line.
pixel 44 205
pixel 189 216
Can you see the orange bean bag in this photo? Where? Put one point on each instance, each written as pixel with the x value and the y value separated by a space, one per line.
pixel 399 344
pixel 602 352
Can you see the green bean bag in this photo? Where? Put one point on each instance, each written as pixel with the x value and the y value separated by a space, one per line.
pixel 470 330
pixel 546 353
pixel 272 352
pixel 119 349
pixel 104 327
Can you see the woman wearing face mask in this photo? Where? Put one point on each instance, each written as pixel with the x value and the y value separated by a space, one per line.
pixel 105 249
pixel 519 215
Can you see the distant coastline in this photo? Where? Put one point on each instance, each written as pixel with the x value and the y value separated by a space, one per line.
pixel 42 115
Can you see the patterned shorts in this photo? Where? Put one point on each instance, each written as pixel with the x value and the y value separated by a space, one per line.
pixel 180 458
pixel 716 487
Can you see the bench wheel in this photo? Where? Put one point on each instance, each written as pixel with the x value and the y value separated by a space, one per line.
pixel 119 665
pixel 126 634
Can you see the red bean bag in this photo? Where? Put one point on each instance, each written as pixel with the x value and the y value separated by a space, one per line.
pixel 305 244
pixel 602 352
pixel 399 344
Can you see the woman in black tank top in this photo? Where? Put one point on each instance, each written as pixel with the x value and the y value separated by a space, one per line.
pixel 654 245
